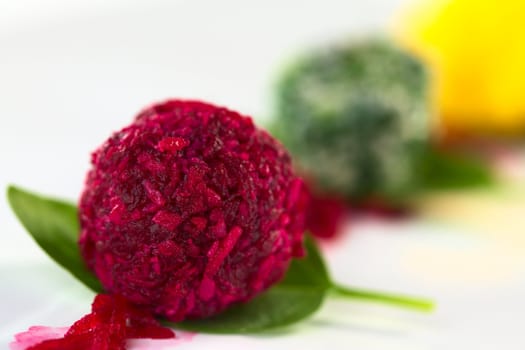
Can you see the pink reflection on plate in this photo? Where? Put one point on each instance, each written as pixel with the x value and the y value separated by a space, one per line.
pixel 37 334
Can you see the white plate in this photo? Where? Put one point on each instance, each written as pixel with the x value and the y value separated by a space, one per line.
pixel 72 72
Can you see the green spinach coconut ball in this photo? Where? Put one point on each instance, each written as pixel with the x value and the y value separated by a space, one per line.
pixel 355 118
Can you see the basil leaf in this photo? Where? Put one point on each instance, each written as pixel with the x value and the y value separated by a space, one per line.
pixel 54 225
pixel 296 297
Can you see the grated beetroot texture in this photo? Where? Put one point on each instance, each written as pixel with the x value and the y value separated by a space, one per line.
pixel 189 209
pixel 111 322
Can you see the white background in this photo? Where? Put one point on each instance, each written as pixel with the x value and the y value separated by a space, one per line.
pixel 71 72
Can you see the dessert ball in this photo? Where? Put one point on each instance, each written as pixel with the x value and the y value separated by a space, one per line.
pixel 190 209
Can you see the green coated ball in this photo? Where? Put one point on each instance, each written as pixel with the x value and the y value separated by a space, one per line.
pixel 353 116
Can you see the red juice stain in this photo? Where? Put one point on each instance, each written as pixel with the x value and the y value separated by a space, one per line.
pixel 35 335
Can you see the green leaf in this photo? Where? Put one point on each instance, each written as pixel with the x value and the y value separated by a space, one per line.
pixel 296 297
pixel 391 299
pixel 441 170
pixel 54 225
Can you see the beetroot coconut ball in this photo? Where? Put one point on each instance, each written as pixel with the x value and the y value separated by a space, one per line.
pixel 189 209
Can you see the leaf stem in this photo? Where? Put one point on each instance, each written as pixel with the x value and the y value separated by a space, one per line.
pixel 419 304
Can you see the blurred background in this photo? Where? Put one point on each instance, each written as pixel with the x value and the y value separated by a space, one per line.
pixel 429 196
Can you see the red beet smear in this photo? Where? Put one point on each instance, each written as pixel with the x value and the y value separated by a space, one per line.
pixel 190 209
pixel 112 320
pixel 326 215
pixel 380 208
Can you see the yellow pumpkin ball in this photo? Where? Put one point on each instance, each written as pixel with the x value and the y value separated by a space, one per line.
pixel 476 53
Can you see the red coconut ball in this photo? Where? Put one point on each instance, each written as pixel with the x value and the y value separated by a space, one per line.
pixel 189 209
